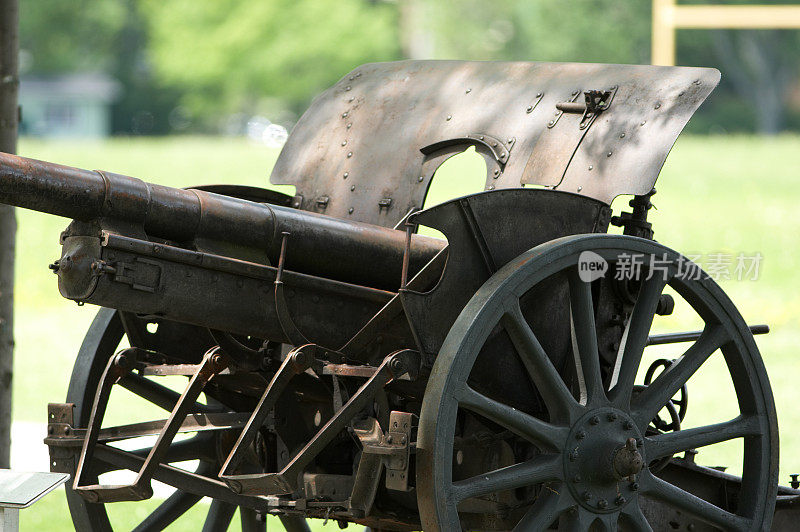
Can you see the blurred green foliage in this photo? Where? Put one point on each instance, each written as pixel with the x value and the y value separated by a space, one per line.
pixel 201 66
pixel 246 55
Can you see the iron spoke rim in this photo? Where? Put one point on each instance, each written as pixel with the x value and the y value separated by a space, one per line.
pixel 168 511
pixel 577 521
pixel 548 507
pixel 200 447
pixel 539 469
pixel 158 394
pixel 533 429
pixel 499 304
pixel 250 522
pixel 584 338
pixel 557 397
pixel 693 505
pixel 671 443
pixel 633 516
pixel 134 329
pixel 646 405
pixel 634 339
pixel 219 516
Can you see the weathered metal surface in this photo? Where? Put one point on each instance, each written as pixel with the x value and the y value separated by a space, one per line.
pixel 332 362
pixel 485 231
pixel 361 140
pixel 595 450
pixel 236 228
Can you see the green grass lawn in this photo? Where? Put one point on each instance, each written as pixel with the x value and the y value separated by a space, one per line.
pixel 716 194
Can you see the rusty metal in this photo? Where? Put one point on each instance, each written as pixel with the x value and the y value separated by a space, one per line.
pixel 213 363
pixel 211 222
pixel 62 434
pixel 394 366
pixel 339 393
pixel 398 108
pixel 295 363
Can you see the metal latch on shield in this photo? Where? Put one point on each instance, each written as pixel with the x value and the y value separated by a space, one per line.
pixel 141 274
pixel 594 102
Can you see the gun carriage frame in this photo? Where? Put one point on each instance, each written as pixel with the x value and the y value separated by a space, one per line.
pixel 342 366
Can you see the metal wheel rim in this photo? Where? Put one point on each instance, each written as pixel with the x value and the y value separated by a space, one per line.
pixel 487 308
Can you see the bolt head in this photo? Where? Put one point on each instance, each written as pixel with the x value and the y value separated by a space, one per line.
pixel 602 503
pixel 573 455
pixel 587 496
pixel 628 425
pixel 577 478
pixel 612 416
pixel 580 434
pixel 594 420
pixel 634 486
pixel 620 500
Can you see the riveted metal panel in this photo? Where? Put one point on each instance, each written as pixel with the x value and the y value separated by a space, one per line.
pixel 360 142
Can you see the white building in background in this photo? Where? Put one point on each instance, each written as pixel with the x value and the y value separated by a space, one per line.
pixel 74 106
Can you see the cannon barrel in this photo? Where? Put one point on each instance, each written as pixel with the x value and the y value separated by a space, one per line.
pixel 318 245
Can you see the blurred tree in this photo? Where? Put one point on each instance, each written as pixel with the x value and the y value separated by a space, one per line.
pixel 610 31
pixel 9 113
pixel 760 66
pixel 146 106
pixel 107 36
pixel 249 55
pixel 58 36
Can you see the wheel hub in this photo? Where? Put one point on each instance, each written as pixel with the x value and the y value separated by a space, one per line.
pixel 602 458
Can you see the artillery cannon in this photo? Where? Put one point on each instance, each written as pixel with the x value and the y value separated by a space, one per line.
pixel 342 366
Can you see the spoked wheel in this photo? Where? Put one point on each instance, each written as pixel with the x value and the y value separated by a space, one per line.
pixel 103 339
pixel 575 455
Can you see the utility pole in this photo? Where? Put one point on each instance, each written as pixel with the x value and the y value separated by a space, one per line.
pixel 9 120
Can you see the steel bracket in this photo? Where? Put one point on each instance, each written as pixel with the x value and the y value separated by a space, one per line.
pixel 119 366
pixel 60 422
pixel 400 364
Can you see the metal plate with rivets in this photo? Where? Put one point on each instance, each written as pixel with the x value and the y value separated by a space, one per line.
pixel 360 143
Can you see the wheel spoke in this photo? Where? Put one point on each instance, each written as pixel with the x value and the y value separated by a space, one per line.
pixel 134 329
pixel 606 523
pixel 654 397
pixel 633 516
pixel 157 394
pixel 584 337
pixel 532 429
pixel 200 447
pixel 219 516
pixel 578 520
pixel 541 468
pixel 634 339
pixel 672 443
pixel 559 400
pixel 250 521
pixel 693 505
pixel 294 523
pixel 168 511
pixel 548 506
